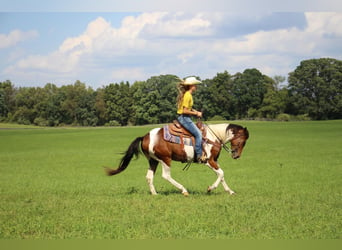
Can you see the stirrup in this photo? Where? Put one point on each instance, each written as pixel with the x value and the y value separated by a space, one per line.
pixel 202 159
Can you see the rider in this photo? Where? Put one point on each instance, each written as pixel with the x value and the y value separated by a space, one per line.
pixel 185 111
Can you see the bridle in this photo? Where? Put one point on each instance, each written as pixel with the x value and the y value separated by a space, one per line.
pixel 224 145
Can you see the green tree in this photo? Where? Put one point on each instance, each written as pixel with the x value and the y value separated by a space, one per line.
pixel 118 102
pixel 249 89
pixel 78 105
pixel 26 100
pixel 315 88
pixel 41 111
pixel 165 85
pixel 7 100
pixel 155 99
pixel 215 96
pixel 138 105
pixel 51 112
pixel 3 111
pixel 100 106
pixel 274 101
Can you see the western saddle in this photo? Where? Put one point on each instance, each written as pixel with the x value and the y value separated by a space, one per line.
pixel 177 129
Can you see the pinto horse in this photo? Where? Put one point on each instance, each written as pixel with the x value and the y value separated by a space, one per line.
pixel 157 150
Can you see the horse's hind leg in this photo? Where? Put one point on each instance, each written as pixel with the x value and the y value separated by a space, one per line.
pixel 150 175
pixel 167 176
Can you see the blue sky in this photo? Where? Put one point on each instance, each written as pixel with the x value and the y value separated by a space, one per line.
pixel 101 44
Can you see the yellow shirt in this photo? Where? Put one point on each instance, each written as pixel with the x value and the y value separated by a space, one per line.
pixel 187 102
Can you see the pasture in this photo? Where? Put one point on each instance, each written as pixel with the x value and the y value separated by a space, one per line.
pixel 288 185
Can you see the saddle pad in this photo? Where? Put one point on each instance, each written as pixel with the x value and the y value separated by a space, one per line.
pixel 175 139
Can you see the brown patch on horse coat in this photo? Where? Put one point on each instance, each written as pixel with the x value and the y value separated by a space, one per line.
pixel 167 151
pixel 144 145
pixel 214 154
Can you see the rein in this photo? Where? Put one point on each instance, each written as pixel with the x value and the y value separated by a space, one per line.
pixel 225 147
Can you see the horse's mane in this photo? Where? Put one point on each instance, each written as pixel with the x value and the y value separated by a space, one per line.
pixel 234 127
pixel 237 128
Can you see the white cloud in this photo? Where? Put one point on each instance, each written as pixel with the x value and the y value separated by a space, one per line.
pixel 324 23
pixel 279 51
pixel 179 25
pixel 15 37
pixel 135 73
pixel 184 57
pixel 183 44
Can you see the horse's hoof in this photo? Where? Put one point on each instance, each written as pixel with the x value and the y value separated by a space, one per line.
pixel 208 190
pixel 233 193
pixel 186 194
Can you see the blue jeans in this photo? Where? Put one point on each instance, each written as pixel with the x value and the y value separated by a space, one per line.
pixel 192 128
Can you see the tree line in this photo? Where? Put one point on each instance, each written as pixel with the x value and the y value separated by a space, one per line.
pixel 314 91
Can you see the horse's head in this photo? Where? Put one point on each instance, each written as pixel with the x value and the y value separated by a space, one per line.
pixel 237 143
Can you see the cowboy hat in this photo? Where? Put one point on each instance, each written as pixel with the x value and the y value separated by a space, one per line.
pixel 191 81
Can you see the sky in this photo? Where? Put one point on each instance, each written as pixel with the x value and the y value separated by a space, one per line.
pixel 108 43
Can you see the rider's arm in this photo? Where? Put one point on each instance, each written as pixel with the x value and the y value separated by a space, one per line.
pixel 194 112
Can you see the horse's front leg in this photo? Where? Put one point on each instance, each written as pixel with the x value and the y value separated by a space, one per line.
pixel 226 188
pixel 220 178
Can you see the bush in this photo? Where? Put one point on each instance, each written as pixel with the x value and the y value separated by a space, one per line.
pixel 40 121
pixel 113 123
pixel 252 113
pixel 23 116
pixel 286 117
pixel 217 118
pixel 304 117
pixel 283 117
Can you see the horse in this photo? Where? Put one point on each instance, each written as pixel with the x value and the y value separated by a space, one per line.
pixel 157 150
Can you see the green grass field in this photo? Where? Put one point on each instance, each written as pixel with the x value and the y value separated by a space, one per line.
pixel 288 185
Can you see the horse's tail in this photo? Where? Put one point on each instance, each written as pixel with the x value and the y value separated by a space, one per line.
pixel 132 150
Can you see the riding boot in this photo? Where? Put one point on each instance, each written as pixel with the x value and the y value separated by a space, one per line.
pixel 202 159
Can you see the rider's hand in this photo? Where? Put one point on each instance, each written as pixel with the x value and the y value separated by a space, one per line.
pixel 199 114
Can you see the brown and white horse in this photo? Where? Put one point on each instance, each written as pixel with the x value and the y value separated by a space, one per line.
pixel 157 150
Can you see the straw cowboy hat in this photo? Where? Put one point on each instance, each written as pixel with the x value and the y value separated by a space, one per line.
pixel 191 81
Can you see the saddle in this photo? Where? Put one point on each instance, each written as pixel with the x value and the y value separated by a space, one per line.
pixel 176 129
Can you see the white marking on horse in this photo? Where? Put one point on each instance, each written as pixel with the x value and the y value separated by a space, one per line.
pixel 166 174
pixel 153 140
pixel 189 150
pixel 219 131
pixel 149 178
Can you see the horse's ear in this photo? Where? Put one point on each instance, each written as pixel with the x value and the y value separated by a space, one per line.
pixel 246 132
